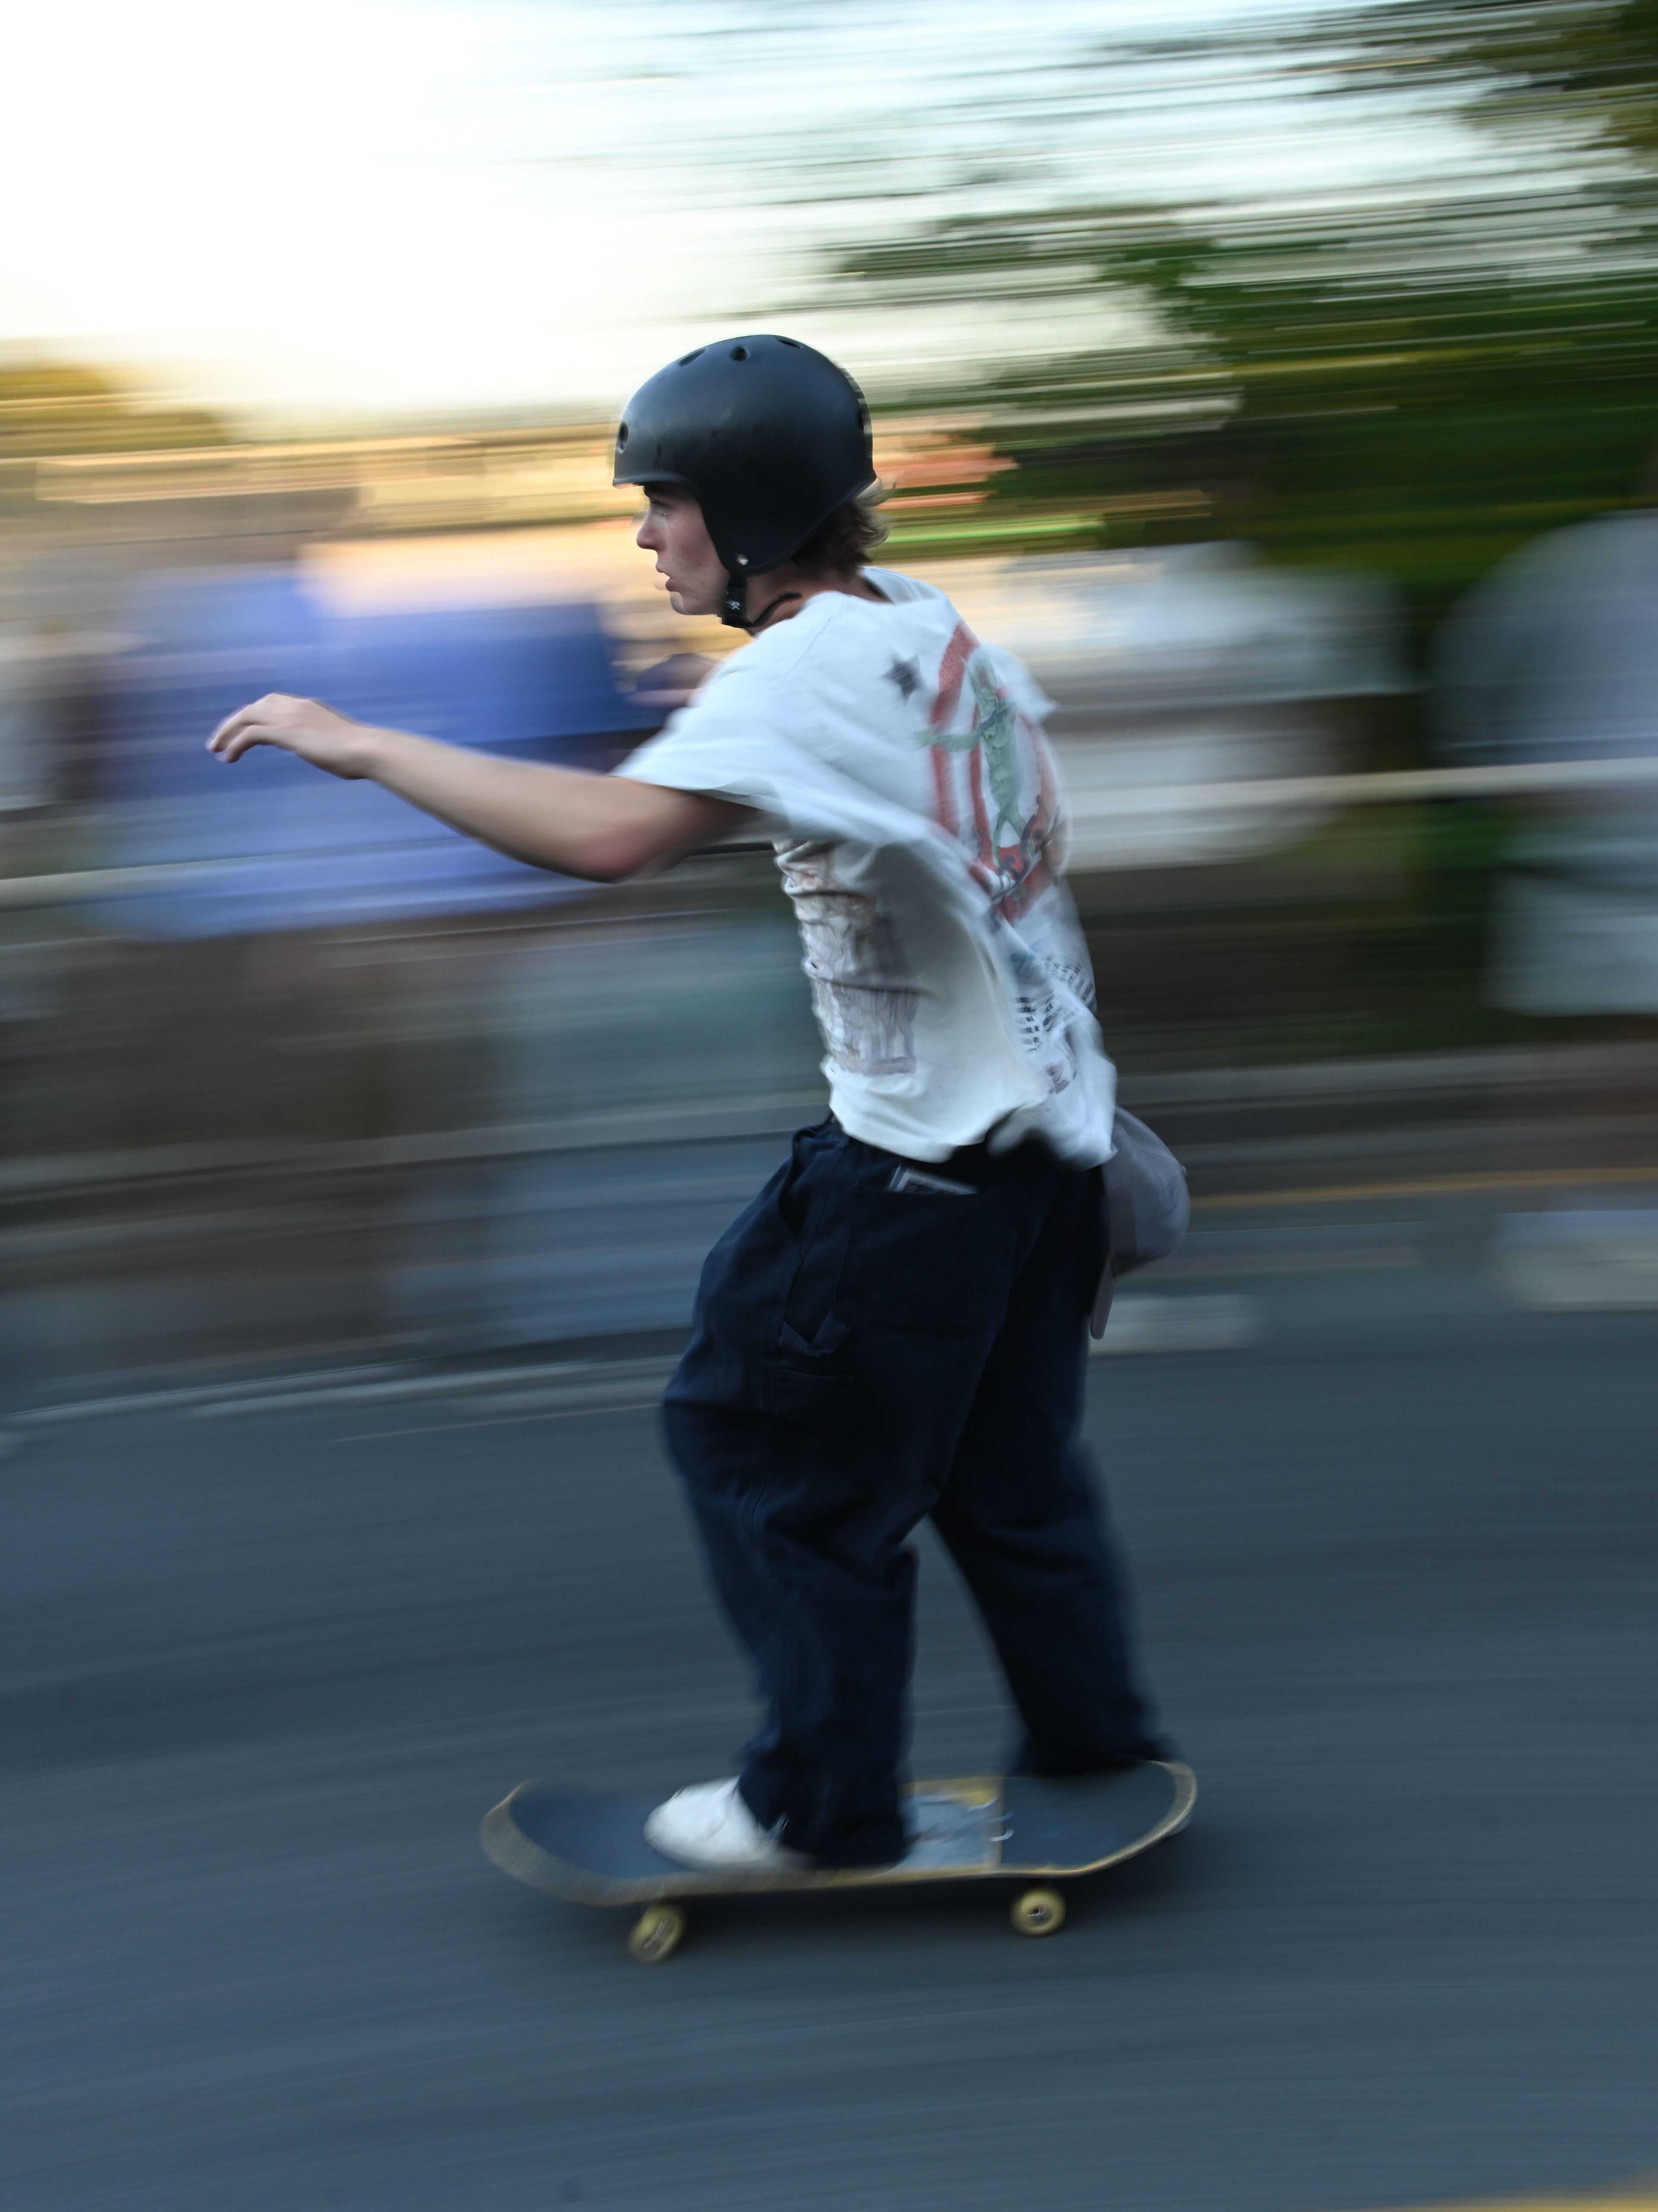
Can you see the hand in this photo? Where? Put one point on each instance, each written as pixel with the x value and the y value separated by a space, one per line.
pixel 315 732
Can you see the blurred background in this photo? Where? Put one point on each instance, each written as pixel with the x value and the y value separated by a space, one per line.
pixel 1282 383
pixel 1279 383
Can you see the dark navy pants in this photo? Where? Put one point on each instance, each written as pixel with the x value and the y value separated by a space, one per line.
pixel 868 1350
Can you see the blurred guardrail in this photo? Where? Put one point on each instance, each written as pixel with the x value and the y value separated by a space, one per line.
pixel 1254 795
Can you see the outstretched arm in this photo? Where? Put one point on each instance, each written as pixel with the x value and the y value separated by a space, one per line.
pixel 600 827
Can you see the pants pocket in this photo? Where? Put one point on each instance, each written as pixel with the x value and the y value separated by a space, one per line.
pixel 812 1209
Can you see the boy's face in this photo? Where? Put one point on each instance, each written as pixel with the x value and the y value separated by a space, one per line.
pixel 673 529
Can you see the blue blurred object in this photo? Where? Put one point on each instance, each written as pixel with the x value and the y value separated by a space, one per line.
pixel 301 849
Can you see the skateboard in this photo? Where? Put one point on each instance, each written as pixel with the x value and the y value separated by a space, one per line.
pixel 592 1849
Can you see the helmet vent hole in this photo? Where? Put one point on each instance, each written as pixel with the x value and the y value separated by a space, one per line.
pixel 740 353
pixel 686 359
pixel 621 439
pixel 795 342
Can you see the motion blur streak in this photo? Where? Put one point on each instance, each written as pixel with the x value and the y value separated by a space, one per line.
pixel 1279 382
pixel 1617 2202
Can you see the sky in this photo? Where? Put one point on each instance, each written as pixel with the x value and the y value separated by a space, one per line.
pixel 381 210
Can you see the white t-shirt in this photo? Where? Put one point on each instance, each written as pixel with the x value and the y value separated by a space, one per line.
pixel 917 820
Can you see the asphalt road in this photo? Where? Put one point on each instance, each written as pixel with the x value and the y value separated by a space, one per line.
pixel 263 1672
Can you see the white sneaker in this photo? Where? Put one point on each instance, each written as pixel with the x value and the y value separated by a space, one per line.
pixel 710 1825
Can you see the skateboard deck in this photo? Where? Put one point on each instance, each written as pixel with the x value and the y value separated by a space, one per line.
pixel 592 1849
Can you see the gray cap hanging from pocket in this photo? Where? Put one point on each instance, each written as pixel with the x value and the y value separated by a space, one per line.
pixel 1147 1208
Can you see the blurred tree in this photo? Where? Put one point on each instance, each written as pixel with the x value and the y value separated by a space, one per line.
pixel 1414 378
pixel 1521 63
pixel 1413 369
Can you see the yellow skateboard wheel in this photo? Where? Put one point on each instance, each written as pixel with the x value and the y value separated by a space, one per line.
pixel 658 1930
pixel 1038 1911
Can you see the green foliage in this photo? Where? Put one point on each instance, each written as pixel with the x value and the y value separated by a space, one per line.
pixel 1411 380
pixel 1580 65
pixel 1413 376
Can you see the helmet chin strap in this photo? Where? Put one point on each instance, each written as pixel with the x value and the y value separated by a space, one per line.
pixel 734 608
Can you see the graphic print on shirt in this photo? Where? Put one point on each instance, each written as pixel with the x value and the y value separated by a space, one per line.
pixel 977 735
pixel 864 1003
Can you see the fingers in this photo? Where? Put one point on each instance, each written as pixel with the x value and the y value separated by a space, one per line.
pixel 262 723
pixel 224 740
pixel 313 733
pixel 241 740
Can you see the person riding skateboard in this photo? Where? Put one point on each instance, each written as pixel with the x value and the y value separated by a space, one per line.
pixel 894 1329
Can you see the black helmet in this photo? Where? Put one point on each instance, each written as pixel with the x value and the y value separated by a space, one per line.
pixel 771 437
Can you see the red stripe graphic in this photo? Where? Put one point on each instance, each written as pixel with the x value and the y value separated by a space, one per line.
pixel 944 780
pixel 960 650
pixel 1024 894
